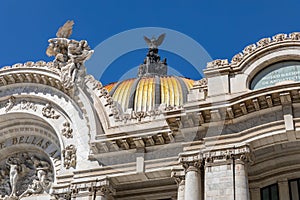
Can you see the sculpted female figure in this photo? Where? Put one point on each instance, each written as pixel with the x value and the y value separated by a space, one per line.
pixel 13 174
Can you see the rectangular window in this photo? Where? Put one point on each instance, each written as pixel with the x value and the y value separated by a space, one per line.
pixel 270 192
pixel 294 189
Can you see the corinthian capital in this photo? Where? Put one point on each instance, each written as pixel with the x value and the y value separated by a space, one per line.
pixel 240 153
pixel 191 161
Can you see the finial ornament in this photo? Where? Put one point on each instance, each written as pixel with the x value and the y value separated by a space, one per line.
pixel 152 65
pixel 70 56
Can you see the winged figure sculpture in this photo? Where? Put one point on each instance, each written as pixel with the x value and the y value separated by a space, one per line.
pixel 65 31
pixel 154 43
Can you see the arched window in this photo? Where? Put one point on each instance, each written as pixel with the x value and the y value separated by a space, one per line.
pixel 282 72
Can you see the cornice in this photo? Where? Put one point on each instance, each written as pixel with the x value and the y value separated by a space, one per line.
pixel 241 105
pixel 32 72
pixel 239 60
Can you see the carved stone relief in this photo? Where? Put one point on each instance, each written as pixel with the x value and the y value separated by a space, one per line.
pixel 69 154
pixel 67 130
pixel 49 112
pixel 24 174
pixel 70 56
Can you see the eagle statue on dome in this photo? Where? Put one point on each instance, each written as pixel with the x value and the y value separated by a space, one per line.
pixel 153 65
pixel 154 43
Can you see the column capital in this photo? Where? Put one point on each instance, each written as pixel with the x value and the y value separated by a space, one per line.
pixel 62 193
pixel 240 153
pixel 101 187
pixel 191 161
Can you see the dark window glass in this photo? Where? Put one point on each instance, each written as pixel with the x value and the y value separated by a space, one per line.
pixel 270 192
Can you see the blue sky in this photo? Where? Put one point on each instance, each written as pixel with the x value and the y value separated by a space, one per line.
pixel 222 28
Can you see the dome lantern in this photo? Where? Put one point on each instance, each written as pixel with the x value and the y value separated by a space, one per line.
pixel 153 65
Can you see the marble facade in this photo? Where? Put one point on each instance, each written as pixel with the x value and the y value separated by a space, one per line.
pixel 63 136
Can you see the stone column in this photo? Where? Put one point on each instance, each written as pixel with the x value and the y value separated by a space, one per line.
pixel 192 182
pixel 283 187
pixel 192 162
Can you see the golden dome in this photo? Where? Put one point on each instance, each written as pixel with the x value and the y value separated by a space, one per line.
pixel 147 93
pixel 153 87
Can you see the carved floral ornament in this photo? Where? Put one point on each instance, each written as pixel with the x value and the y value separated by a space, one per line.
pixel 67 131
pixel 49 112
pixel 254 47
pixel 69 155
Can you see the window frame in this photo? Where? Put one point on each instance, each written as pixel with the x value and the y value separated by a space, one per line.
pixel 269 191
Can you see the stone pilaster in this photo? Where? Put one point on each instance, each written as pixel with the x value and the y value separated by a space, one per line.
pixel 179 177
pixel 241 179
pixel 226 174
pixel 255 193
pixel 283 187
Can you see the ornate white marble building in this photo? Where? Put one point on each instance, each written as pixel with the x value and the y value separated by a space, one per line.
pixel 231 135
